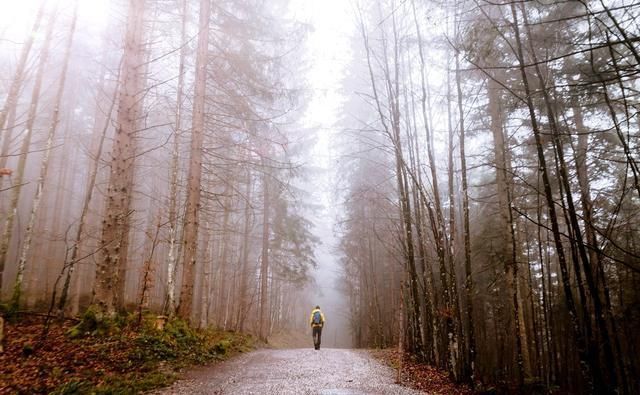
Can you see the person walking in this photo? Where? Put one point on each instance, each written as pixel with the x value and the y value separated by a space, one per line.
pixel 317 322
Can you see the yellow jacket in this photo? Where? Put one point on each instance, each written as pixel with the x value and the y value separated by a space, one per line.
pixel 321 317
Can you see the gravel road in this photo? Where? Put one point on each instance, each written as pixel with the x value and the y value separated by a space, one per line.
pixel 297 371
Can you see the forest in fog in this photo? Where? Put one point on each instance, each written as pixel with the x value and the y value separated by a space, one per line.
pixel 485 158
pixel 492 191
pixel 152 164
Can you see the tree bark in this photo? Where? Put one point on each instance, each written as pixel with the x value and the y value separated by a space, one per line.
pixel 4 153
pixel 468 284
pixel 205 279
pixel 244 257
pixel 264 264
pixel 109 287
pixel 190 237
pixel 175 159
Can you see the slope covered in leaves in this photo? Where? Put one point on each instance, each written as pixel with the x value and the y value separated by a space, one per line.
pixel 116 357
pixel 422 376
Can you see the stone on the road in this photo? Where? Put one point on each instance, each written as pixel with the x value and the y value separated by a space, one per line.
pixel 297 371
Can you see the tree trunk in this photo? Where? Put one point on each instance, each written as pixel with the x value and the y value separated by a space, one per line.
pixel 190 237
pixel 117 217
pixel 149 265
pixel 207 268
pixel 225 283
pixel 264 264
pixel 4 155
pixel 244 257
pixel 175 161
pixel 468 284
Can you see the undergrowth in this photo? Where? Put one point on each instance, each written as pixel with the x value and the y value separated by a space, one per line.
pixel 103 355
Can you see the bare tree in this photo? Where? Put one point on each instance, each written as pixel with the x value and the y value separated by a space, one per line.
pixel 190 237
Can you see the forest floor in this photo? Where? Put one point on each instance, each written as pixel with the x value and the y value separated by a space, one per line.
pixel 121 357
pixel 421 376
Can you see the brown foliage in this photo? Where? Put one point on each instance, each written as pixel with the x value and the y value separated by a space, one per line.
pixel 421 376
pixel 27 368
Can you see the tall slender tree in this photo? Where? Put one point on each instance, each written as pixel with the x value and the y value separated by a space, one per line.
pixel 109 284
pixel 192 210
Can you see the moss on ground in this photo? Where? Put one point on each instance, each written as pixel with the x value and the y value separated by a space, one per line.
pixel 108 356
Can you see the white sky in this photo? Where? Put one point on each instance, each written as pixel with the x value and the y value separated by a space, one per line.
pixel 329 50
pixel 17 16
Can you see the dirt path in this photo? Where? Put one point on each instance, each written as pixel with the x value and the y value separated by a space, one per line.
pixel 297 371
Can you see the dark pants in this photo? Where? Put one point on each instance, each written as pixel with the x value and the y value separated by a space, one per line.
pixel 317 335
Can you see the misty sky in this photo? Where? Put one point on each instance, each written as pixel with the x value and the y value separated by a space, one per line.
pixel 328 46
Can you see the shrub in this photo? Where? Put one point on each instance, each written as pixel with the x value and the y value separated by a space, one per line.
pixel 93 322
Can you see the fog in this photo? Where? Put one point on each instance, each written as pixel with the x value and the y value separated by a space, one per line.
pixel 458 179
